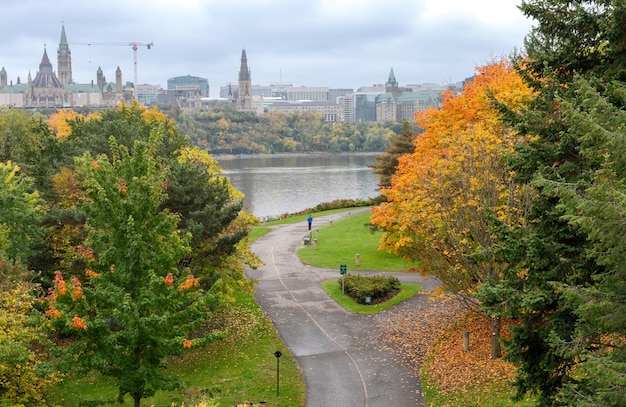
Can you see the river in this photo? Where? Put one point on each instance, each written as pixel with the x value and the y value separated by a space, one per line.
pixel 277 185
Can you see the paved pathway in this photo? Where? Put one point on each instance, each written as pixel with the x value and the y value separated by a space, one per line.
pixel 335 349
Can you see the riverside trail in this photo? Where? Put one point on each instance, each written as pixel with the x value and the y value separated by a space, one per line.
pixel 342 362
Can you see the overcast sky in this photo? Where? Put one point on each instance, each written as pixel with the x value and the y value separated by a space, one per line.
pixel 335 43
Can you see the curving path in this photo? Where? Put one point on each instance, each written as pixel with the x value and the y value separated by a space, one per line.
pixel 335 349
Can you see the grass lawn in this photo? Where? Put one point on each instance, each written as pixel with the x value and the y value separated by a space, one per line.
pixel 240 368
pixel 263 228
pixel 343 240
pixel 333 289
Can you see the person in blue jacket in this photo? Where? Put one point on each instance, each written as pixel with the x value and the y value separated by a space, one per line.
pixel 310 220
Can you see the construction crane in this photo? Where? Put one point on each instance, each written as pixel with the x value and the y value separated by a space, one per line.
pixel 133 45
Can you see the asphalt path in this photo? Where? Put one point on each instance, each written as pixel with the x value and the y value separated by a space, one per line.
pixel 338 352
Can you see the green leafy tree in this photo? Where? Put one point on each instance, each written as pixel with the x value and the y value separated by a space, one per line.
pixel 26 141
pixel 551 257
pixel 20 216
pixel 207 204
pixel 135 307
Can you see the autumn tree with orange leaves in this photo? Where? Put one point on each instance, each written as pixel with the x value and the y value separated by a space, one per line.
pixel 448 193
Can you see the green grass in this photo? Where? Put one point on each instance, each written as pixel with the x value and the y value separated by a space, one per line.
pixel 232 371
pixel 302 218
pixel 264 228
pixel 341 242
pixel 333 289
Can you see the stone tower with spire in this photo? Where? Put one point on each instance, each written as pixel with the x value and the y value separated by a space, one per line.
pixel 244 98
pixel 3 78
pixel 46 89
pixel 64 60
pixel 391 86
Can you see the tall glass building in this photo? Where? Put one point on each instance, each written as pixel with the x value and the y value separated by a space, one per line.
pixel 189 83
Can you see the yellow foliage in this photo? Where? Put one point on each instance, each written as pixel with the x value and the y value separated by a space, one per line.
pixel 20 345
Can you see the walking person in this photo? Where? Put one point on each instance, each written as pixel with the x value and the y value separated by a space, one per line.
pixel 310 220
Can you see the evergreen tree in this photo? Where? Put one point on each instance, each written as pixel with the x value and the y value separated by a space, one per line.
pixel 386 164
pixel 572 39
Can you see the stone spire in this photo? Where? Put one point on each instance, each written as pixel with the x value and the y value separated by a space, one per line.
pixel 244 71
pixel 3 78
pixel 64 59
pixel 244 97
pixel 392 83
pixel 45 77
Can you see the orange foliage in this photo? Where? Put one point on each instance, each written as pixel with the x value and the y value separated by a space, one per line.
pixel 59 283
pixel 189 282
pixel 78 323
pixel 169 279
pixel 435 209
pixel 434 333
pixel 77 294
pixel 53 313
pixel 86 253
pixel 123 186
pixel 187 343
pixel 472 368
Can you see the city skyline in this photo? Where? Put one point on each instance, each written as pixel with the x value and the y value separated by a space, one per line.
pixel 318 43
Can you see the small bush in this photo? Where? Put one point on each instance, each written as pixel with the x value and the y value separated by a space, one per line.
pixel 377 287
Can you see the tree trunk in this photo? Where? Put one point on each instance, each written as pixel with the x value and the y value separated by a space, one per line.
pixel 496 350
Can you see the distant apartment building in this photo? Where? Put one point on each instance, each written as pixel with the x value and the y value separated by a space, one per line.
pixel 147 94
pixel 335 94
pixel 364 107
pixel 347 106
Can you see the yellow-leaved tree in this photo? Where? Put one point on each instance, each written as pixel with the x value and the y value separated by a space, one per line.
pixel 448 195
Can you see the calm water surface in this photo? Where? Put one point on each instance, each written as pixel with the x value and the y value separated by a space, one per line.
pixel 275 185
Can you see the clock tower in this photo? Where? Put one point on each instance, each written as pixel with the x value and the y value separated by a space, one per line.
pixel 64 60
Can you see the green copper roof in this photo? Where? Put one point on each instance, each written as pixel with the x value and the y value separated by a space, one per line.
pixel 392 77
pixel 385 98
pixel 63 37
pixel 14 88
pixel 81 88
pixel 420 95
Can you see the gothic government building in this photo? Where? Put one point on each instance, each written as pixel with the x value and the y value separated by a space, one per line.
pixel 382 102
pixel 49 89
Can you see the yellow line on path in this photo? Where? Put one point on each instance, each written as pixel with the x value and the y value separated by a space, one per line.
pixel 320 327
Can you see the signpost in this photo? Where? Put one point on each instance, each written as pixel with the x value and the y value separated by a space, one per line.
pixel 343 269
pixel 278 354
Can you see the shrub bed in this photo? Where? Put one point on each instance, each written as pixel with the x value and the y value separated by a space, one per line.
pixel 377 288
